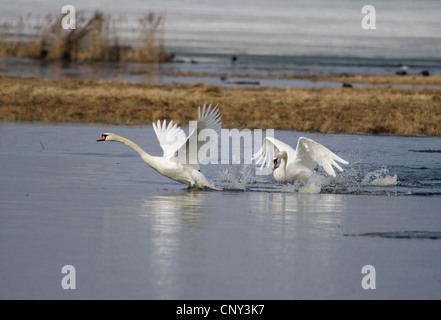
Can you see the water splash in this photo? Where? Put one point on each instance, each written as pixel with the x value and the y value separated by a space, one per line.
pixel 314 184
pixel 357 180
pixel 238 177
pixel 380 178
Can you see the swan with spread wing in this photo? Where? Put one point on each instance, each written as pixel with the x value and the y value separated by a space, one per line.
pixel 181 156
pixel 296 164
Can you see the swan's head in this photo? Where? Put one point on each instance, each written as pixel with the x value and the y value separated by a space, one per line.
pixel 282 155
pixel 106 137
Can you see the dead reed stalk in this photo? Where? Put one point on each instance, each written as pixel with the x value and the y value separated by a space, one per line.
pixel 94 39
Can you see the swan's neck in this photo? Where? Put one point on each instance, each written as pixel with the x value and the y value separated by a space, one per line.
pixel 282 166
pixel 280 172
pixel 144 155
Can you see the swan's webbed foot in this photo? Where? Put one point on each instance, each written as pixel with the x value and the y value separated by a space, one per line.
pixel 202 187
pixel 191 186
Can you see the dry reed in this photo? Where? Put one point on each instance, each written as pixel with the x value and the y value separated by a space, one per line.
pixel 94 39
pixel 324 110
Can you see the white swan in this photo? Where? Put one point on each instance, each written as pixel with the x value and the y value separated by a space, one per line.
pixel 177 161
pixel 296 164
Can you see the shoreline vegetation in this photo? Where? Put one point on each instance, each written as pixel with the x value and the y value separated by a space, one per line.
pixel 384 110
pixel 377 109
pixel 95 38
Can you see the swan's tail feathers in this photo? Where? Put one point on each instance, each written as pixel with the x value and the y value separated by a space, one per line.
pixel 209 118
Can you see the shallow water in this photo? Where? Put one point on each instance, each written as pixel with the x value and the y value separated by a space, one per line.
pixel 218 70
pixel 132 234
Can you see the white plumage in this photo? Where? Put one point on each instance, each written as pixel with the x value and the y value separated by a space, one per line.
pixel 181 156
pixel 296 164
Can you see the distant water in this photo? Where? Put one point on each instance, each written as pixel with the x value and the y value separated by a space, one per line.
pixel 277 36
pixel 404 29
pixel 210 69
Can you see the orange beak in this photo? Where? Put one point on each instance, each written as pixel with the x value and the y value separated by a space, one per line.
pixel 103 138
pixel 275 163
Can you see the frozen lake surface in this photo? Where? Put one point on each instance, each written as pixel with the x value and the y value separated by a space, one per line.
pixel 131 233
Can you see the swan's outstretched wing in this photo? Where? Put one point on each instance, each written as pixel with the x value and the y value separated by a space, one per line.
pixel 309 151
pixel 170 137
pixel 205 134
pixel 270 147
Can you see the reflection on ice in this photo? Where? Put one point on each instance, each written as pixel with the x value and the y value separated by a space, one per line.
pixel 274 203
pixel 170 223
pixel 184 226
pixel 175 215
pixel 181 210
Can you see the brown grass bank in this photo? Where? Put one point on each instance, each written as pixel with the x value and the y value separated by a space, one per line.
pixel 324 110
